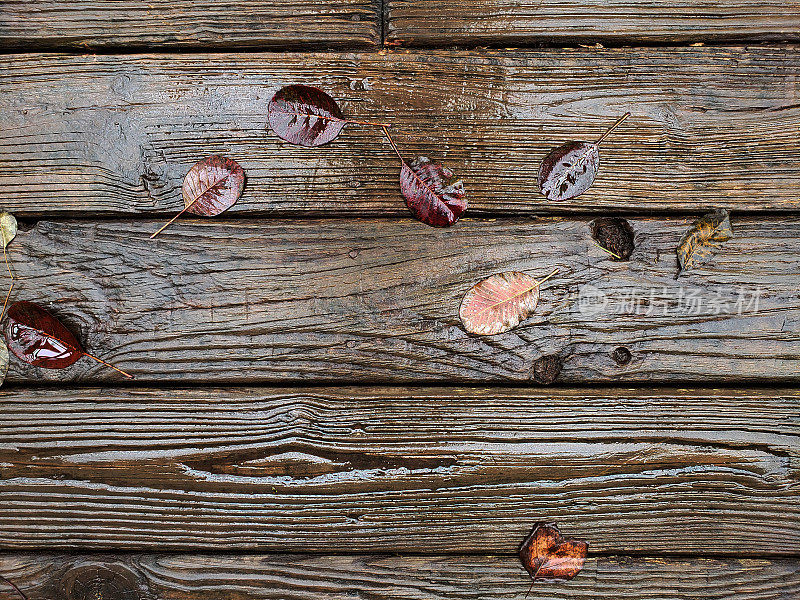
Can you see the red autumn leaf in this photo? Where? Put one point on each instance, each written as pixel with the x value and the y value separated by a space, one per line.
pixel 546 554
pixel 500 302
pixel 38 338
pixel 570 169
pixel 432 193
pixel 210 187
pixel 306 116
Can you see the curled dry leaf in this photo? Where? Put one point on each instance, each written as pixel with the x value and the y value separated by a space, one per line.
pixel 703 238
pixel 570 169
pixel 546 554
pixel 36 337
pixel 306 116
pixel 432 193
pixel 500 302
pixel 210 187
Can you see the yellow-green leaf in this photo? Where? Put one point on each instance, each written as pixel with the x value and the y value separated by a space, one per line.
pixel 703 238
pixel 3 362
pixel 8 228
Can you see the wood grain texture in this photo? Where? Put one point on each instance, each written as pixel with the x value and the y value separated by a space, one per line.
pixel 393 470
pixel 90 135
pixel 477 22
pixel 201 24
pixel 299 577
pixel 377 301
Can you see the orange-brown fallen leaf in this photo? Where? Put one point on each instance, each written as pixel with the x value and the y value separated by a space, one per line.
pixel 546 554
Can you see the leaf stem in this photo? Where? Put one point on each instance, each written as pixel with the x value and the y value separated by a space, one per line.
pixel 8 295
pixel 13 585
pixel 172 220
pixel 548 277
pixel 368 123
pixel 613 127
pixel 128 375
pixel 609 251
pixel 11 273
pixel 394 146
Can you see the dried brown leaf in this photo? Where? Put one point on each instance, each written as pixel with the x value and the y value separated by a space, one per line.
pixel 703 239
pixel 546 554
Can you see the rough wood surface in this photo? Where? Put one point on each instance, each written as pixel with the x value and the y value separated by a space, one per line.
pixel 476 22
pixel 116 134
pixel 201 24
pixel 300 577
pixel 393 470
pixel 377 301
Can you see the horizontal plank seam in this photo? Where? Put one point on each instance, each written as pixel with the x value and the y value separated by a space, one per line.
pixel 26 223
pixel 754 386
pixel 578 42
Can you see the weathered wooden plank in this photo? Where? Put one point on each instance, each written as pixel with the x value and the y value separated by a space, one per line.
pixel 419 470
pixel 116 135
pixel 201 24
pixel 190 577
pixel 377 301
pixel 476 22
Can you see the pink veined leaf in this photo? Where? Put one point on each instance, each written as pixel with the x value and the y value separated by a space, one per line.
pixel 307 116
pixel 211 186
pixel 500 302
pixel 570 169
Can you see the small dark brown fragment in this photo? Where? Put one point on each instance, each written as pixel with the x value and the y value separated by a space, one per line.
pixel 621 355
pixel 546 369
pixel 615 236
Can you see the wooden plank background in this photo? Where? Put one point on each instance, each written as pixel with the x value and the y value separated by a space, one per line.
pixel 178 24
pixel 512 22
pixel 377 300
pixel 400 470
pixel 225 471
pixel 111 135
pixel 296 577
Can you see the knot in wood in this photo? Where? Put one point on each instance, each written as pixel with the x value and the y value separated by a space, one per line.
pixel 100 582
pixel 546 369
pixel 615 236
pixel 621 355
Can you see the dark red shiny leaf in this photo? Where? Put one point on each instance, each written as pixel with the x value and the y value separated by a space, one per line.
pixel 212 186
pixel 305 115
pixel 546 554
pixel 432 193
pixel 38 338
pixel 570 169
